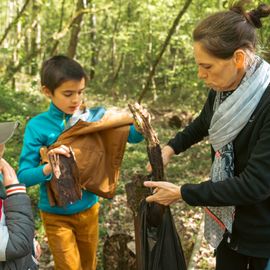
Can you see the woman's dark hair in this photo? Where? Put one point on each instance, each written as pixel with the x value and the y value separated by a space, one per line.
pixel 224 32
pixel 59 69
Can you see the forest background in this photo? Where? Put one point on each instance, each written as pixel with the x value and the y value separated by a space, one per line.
pixel 132 50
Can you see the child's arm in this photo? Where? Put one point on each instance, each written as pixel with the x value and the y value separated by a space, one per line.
pixel 30 171
pixel 134 135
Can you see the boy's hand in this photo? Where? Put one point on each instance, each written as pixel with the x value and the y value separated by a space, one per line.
pixel 9 175
pixel 167 152
pixel 60 150
pixel 53 155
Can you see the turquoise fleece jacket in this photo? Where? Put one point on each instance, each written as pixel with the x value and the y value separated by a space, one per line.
pixel 43 130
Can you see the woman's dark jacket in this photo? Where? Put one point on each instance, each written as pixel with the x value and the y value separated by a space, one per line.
pixel 249 189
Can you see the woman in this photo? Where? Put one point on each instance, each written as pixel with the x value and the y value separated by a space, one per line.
pixel 236 117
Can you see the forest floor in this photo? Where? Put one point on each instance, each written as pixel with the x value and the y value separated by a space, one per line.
pixel 115 216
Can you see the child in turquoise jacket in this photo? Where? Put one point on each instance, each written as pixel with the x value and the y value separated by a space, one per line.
pixel 72 230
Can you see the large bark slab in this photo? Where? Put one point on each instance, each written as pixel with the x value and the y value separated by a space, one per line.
pixel 136 192
pixel 65 185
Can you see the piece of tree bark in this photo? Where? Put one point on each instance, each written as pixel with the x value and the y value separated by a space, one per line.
pixel 153 146
pixel 64 187
pixel 136 192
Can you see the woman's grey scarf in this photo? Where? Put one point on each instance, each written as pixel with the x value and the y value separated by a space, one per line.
pixel 231 114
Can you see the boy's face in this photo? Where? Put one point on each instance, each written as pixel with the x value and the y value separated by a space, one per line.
pixel 68 96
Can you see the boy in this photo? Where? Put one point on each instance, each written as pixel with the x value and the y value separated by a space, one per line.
pixel 16 219
pixel 72 230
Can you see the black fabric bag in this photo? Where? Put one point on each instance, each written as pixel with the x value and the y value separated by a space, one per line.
pixel 160 244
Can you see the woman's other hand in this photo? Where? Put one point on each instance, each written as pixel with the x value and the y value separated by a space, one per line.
pixel 164 192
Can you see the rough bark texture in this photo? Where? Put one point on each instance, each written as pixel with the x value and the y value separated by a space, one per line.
pixel 155 159
pixel 136 192
pixel 116 253
pixel 64 187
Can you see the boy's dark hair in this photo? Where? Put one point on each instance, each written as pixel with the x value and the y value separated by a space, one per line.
pixel 59 69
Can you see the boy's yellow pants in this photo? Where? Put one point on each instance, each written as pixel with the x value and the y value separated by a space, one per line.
pixel 73 238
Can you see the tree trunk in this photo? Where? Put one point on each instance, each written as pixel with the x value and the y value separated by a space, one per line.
pixel 35 33
pixel 56 43
pixel 164 46
pixel 115 67
pixel 14 22
pixel 76 28
pixel 93 37
pixel 24 61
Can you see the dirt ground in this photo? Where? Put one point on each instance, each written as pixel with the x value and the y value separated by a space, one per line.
pixel 116 217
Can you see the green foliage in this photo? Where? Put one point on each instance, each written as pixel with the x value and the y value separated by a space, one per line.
pixel 17 106
pixel 118 40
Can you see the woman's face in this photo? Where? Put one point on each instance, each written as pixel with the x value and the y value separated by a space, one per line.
pixel 218 74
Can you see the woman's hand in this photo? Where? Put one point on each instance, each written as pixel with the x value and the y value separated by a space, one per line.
pixel 9 175
pixel 164 192
pixel 53 156
pixel 167 152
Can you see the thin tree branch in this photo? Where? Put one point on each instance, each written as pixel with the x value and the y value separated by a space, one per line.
pixel 165 45
pixel 76 28
pixel 56 43
pixel 79 13
pixel 14 22
pixel 11 69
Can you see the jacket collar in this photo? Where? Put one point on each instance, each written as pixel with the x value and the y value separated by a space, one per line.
pixel 57 113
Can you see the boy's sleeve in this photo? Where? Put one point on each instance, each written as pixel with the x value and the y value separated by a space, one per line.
pixel 30 171
pixel 18 231
pixel 134 136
